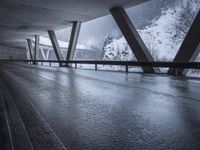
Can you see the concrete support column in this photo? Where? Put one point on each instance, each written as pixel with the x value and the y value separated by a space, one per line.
pixel 27 52
pixel 73 40
pixel 30 48
pixel 47 55
pixel 36 50
pixel 190 47
pixel 55 45
pixel 133 38
pixel 43 54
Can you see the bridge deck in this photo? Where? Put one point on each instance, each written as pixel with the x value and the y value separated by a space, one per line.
pixel 108 110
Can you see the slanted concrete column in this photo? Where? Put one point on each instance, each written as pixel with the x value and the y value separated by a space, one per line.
pixel 30 48
pixel 133 38
pixel 43 54
pixel 36 50
pixel 190 47
pixel 27 51
pixel 55 45
pixel 73 40
pixel 47 55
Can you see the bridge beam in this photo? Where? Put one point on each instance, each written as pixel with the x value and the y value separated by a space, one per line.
pixel 190 47
pixel 73 40
pixel 133 38
pixel 36 50
pixel 55 45
pixel 30 48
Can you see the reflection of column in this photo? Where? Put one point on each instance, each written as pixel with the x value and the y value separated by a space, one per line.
pixel 133 38
pixel 73 40
pixel 190 48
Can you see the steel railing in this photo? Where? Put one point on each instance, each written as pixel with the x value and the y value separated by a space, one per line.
pixel 127 64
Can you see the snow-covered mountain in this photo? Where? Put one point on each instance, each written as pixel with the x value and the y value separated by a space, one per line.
pixel 155 36
pixel 118 50
pixel 162 36
pixel 63 45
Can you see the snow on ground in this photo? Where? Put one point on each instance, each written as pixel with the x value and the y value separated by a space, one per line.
pixel 46 41
pixel 109 67
pixel 157 36
pixel 118 50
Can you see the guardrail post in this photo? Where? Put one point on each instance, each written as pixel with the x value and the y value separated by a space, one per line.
pixel 42 63
pixel 75 65
pixel 126 68
pixel 95 66
pixel 176 72
pixel 50 64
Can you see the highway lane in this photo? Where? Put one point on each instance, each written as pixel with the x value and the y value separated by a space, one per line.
pixel 110 110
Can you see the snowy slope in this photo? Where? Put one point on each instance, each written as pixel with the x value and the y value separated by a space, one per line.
pixel 156 37
pixel 118 50
pixel 163 36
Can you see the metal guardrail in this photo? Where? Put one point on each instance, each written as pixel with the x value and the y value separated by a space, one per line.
pixel 189 65
pixel 127 64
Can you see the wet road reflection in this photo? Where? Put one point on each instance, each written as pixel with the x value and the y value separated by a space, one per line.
pixel 107 110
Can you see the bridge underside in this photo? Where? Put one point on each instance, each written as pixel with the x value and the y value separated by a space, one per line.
pixel 84 109
pixel 22 19
pixel 61 108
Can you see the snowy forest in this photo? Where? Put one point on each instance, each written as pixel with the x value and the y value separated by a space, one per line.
pixel 162 26
pixel 163 36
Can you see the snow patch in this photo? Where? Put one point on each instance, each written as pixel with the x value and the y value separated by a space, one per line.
pixel 46 41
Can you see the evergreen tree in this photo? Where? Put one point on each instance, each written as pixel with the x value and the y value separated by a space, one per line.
pixel 185 19
pixel 107 41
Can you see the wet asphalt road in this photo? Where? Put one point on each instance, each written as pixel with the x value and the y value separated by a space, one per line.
pixel 112 111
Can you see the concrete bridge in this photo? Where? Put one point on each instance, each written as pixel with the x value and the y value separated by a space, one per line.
pixel 54 108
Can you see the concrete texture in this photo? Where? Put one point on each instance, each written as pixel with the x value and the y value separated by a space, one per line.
pixel 22 19
pixel 30 48
pixel 108 110
pixel 73 40
pixel 15 53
